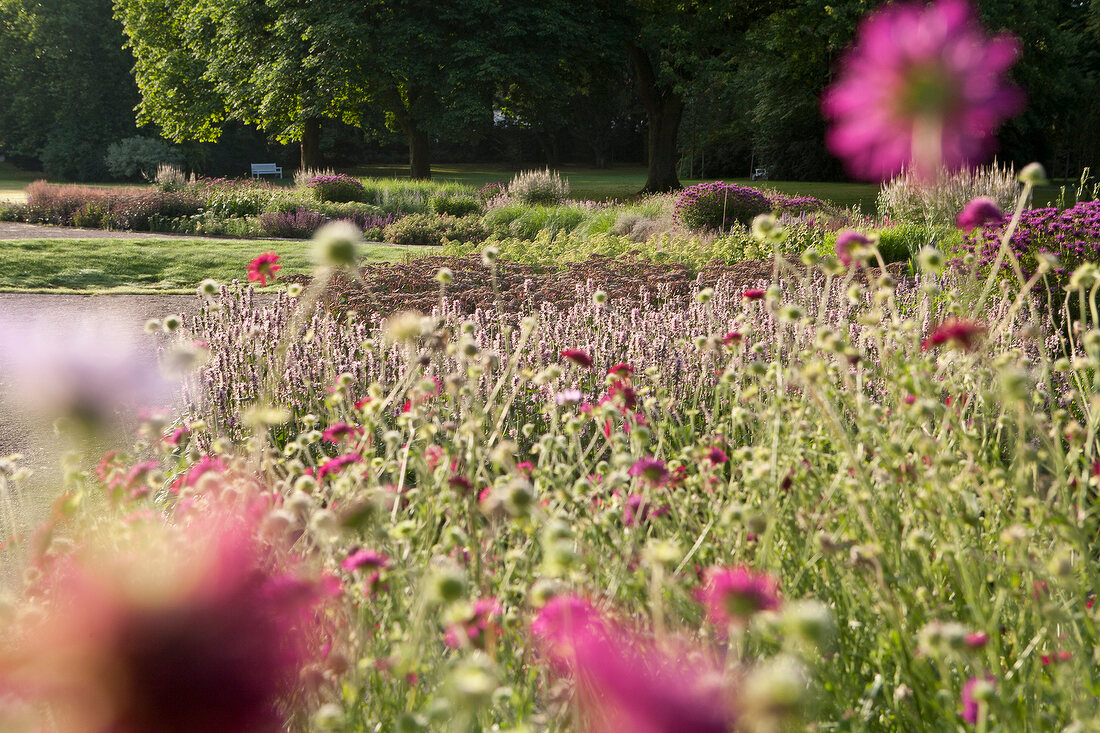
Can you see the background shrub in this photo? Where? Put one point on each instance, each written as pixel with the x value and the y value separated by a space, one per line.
pixel 1072 235
pixel 908 198
pixel 544 187
pixel 141 156
pixel 718 205
pixel 48 203
pixel 455 205
pixel 151 210
pixel 340 188
pixel 433 229
pixel 235 198
pixel 299 224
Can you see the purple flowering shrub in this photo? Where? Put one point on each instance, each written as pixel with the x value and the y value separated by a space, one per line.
pixel 340 188
pixel 1072 235
pixel 795 205
pixel 296 224
pixel 718 205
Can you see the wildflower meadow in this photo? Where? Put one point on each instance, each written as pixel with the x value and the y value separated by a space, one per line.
pixel 821 494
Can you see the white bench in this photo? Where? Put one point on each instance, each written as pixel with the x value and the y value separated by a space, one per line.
pixel 266 169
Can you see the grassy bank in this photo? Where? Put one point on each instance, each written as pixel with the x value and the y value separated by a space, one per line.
pixel 150 265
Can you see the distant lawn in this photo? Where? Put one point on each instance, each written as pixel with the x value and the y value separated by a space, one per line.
pixel 151 265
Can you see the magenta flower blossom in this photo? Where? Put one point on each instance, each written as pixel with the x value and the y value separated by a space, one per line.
pixel 970 701
pixel 651 469
pixel 753 294
pixel 340 431
pixel 624 681
pixel 848 240
pixel 716 455
pixel 733 595
pixel 922 85
pixel 636 510
pixel 205 633
pixel 337 464
pixel 263 267
pixel 981 211
pixel 365 558
pixel 578 356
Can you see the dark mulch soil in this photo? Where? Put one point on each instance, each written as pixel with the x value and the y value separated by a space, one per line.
pixel 412 285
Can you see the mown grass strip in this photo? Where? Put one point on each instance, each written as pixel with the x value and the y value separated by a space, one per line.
pixel 152 265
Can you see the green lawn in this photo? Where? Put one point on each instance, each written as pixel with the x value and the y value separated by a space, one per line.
pixel 151 265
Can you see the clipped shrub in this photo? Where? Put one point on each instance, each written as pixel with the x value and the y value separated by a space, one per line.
pixel 454 205
pixel 49 203
pixel 151 210
pixel 417 229
pixel 545 187
pixel 340 188
pixel 141 156
pixel 908 198
pixel 299 224
pixel 433 229
pixel 719 205
pixel 235 198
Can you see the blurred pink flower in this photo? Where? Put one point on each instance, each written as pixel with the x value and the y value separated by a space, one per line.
pixel 961 333
pixel 651 469
pixel 624 681
pixel 477 627
pixel 922 85
pixel 970 703
pixel 339 431
pixel 365 558
pixel 337 464
pixel 578 356
pixel 753 294
pixel 211 641
pixel 980 212
pixel 846 240
pixel 733 595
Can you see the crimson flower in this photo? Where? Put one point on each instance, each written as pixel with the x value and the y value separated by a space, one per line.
pixel 339 431
pixel 578 356
pixel 980 212
pixel 621 371
pixel 365 558
pixel 922 84
pixel 959 332
pixel 651 469
pixel 263 267
pixel 337 464
pixel 753 294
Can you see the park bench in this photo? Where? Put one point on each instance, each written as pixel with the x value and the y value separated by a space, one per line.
pixel 266 169
pixel 760 174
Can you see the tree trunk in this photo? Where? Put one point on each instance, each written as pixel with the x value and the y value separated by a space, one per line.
pixel 311 143
pixel 664 110
pixel 420 160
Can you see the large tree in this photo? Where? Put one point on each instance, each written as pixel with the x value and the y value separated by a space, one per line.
pixel 675 50
pixel 65 88
pixel 281 65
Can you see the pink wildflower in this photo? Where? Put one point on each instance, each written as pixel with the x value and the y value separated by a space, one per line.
pixel 477 627
pixel 716 455
pixel 753 294
pixel 970 703
pixel 958 332
pixel 980 212
pixel 365 558
pixel 624 681
pixel 340 431
pixel 578 356
pixel 337 464
pixel 263 267
pixel 846 241
pixel 922 84
pixel 976 639
pixel 651 469
pixel 733 595
pixel 621 371
pixel 637 510
pixel 177 436
pixel 206 464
